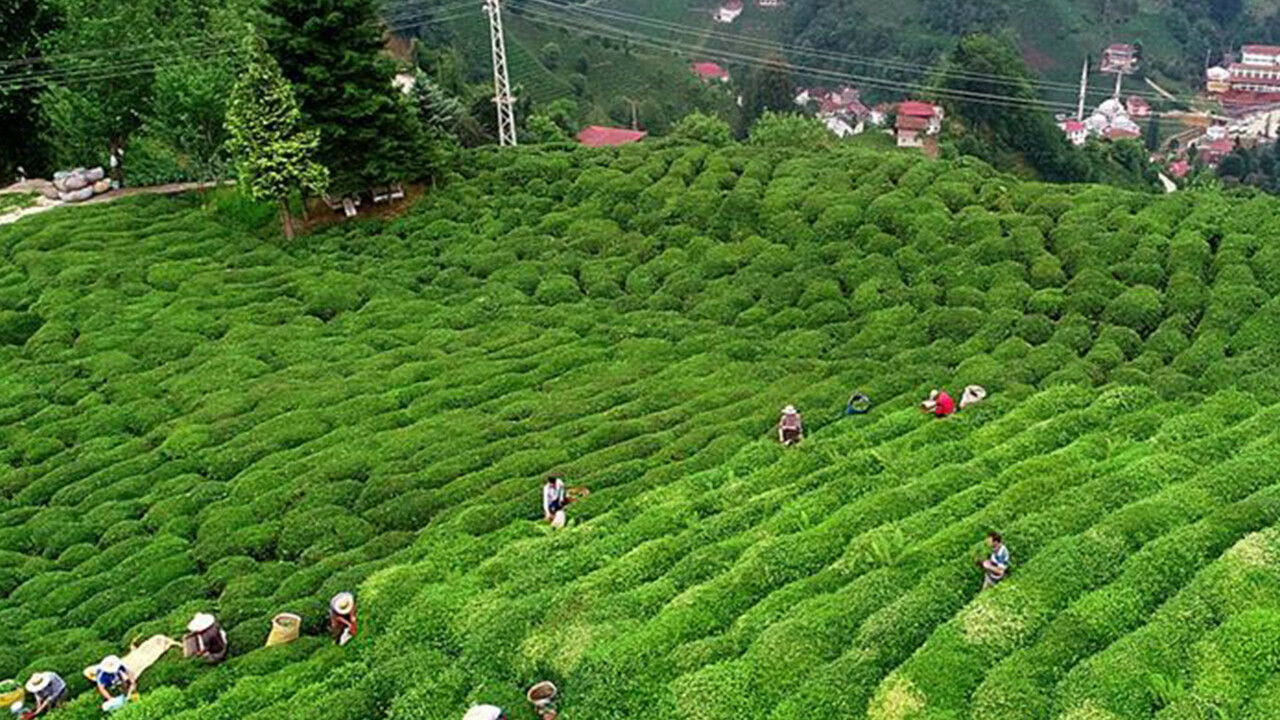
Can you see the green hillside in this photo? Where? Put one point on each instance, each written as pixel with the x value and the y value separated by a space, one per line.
pixel 195 417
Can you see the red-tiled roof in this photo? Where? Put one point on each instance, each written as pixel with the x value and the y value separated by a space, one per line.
pixel 710 71
pixel 915 108
pixel 1261 49
pixel 732 5
pixel 1221 145
pixel 1180 168
pixel 911 122
pixel 1073 126
pixel 600 136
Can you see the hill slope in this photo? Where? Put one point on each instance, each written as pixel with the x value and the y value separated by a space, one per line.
pixel 195 418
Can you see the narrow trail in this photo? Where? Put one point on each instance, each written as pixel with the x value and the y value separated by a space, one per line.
pixel 43 203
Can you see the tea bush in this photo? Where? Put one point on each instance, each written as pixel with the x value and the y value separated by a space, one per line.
pixel 195 418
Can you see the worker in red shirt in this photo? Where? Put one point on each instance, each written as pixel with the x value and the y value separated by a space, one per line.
pixel 939 403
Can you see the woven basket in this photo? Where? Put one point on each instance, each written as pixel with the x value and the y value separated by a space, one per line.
pixel 284 629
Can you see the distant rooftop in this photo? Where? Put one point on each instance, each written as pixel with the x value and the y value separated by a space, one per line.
pixel 601 136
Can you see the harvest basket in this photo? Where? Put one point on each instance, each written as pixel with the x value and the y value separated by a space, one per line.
pixel 11 692
pixel 285 628
pixel 542 694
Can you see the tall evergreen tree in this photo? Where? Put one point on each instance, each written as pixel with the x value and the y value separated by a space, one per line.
pixel 768 88
pixel 272 153
pixel 22 24
pixel 332 51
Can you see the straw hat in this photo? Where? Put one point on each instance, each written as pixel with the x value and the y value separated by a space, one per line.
pixel 38 681
pixel 789 410
pixel 344 602
pixel 111 664
pixel 201 622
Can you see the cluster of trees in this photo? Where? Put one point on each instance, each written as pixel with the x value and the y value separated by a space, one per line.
pixel 1017 133
pixel 1256 167
pixel 289 95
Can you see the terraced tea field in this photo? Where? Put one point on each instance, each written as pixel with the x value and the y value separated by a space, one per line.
pixel 196 417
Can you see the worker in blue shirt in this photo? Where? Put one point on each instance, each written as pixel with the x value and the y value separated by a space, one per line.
pixel 113 674
pixel 995 567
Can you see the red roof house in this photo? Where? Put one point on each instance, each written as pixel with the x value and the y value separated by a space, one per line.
pixel 1213 151
pixel 1137 106
pixel 708 71
pixel 1179 168
pixel 600 136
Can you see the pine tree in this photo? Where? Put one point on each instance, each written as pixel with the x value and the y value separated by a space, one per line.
pixel 332 51
pixel 273 155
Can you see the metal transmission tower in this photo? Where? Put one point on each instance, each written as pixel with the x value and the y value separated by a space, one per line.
pixel 501 83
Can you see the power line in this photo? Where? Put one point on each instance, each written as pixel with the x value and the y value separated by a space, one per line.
pixel 895 65
pixel 957 94
pixel 547 18
pixel 127 67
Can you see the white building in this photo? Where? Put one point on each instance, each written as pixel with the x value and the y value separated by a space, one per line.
pixel 729 11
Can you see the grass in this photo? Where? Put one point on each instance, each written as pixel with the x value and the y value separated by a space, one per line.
pixel 197 417
pixel 16 201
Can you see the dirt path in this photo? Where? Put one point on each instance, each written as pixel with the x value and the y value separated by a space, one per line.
pixel 43 203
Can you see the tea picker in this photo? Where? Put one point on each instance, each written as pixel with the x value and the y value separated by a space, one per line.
pixel 790 426
pixel 996 567
pixel 342 617
pixel 48 689
pixel 205 639
pixel 112 675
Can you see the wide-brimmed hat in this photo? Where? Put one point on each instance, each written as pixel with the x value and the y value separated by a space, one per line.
pixel 344 602
pixel 110 663
pixel 789 410
pixel 201 622
pixel 38 681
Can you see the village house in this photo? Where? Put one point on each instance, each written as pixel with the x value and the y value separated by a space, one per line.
pixel 1120 58
pixel 771 3
pixel 917 124
pixel 1211 152
pixel 709 72
pixel 601 136
pixel 1137 107
pixel 1075 130
pixel 1179 169
pixel 1217 80
pixel 729 11
pixel 1258 70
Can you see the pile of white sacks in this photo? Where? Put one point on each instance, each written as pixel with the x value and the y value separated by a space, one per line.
pixel 80 184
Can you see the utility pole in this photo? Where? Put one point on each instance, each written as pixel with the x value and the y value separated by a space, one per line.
pixel 635 123
pixel 1084 84
pixel 501 82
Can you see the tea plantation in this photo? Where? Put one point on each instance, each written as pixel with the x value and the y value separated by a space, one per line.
pixel 194 416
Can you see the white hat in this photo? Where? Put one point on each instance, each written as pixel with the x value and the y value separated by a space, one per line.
pixel 38 681
pixel 789 410
pixel 201 622
pixel 111 664
pixel 344 602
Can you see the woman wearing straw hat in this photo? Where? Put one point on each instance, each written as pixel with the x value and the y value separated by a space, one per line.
pixel 790 427
pixel 206 638
pixel 342 617
pixel 113 674
pixel 49 690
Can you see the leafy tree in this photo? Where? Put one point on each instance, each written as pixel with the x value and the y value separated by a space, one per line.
pixel 22 23
pixel 701 128
pixel 790 130
pixel 981 65
pixel 540 128
pixel 438 111
pixel 767 88
pixel 274 156
pixel 331 50
pixel 552 55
